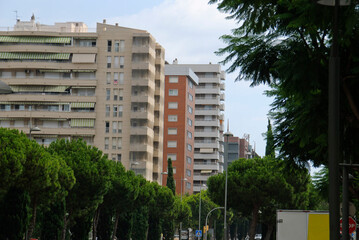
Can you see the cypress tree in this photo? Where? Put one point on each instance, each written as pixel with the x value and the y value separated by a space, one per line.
pixel 270 141
pixel 170 180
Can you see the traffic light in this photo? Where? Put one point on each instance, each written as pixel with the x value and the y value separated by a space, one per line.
pixel 205 229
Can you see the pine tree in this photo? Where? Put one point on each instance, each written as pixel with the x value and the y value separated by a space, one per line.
pixel 170 180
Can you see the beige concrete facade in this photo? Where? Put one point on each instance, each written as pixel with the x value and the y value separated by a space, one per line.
pixel 106 87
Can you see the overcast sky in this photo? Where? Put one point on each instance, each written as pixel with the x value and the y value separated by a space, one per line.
pixel 189 30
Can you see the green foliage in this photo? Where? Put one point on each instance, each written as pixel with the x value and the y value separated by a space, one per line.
pixel 12 155
pixel 170 180
pixel 261 185
pixel 270 148
pixel 92 172
pixel 53 221
pixel 286 45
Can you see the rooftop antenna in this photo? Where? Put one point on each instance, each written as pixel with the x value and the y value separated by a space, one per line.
pixel 17 16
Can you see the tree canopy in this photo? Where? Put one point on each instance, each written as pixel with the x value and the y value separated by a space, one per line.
pixel 286 45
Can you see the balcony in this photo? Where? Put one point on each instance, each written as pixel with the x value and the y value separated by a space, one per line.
pixel 222 96
pixel 197 188
pixel 143 98
pixel 209 80
pixel 202 112
pixel 203 166
pixel 207 134
pixel 150 83
pixel 47 48
pixel 207 90
pixel 142 131
pixel 46 98
pixel 59 131
pixel 206 155
pixel 50 82
pixel 210 123
pixel 207 101
pixel 222 86
pixel 141 147
pixel 46 114
pixel 45 65
pixel 201 178
pixel 221 107
pixel 206 145
pixel 143 66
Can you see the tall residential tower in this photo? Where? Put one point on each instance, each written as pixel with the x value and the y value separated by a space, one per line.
pixel 106 87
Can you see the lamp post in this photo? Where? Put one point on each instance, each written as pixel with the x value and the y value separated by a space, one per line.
pixel 205 236
pixel 33 129
pixel 334 127
pixel 180 234
pixel 227 135
pixel 200 200
pixel 133 164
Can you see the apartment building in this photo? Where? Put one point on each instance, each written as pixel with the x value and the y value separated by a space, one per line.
pixel 208 135
pixel 180 84
pixel 246 149
pixel 105 86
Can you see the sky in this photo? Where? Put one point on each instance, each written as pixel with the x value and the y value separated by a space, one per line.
pixel 189 30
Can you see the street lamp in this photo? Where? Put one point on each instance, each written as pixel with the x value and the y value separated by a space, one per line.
pixel 180 234
pixel 199 214
pixel 133 164
pixel 227 135
pixel 205 236
pixel 33 129
pixel 334 127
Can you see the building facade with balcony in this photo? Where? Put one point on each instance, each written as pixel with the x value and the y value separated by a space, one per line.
pixel 180 84
pixel 208 135
pixel 106 87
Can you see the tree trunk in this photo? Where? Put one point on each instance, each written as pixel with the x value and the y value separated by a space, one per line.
pixel 33 219
pixel 66 220
pixel 269 231
pixel 95 222
pixel 252 228
pixel 115 225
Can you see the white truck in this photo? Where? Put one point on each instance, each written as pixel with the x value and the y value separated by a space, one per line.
pixel 302 225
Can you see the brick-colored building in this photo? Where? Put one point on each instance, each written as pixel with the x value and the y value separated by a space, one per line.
pixel 179 117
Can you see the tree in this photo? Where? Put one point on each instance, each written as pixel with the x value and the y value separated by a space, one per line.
pixel 12 157
pixel 270 149
pixel 254 183
pixel 170 180
pixel 286 44
pixel 92 172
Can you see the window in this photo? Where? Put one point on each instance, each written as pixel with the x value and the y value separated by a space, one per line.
pixel 190 83
pixel 188 185
pixel 122 45
pixel 116 62
pixel 106 142
pixel 173 79
pixel 115 94
pixel 190 97
pixel 108 94
pixel 119 143
pixel 190 110
pixel 189 160
pixel 173 156
pixel 189 147
pixel 189 122
pixel 172 105
pixel 109 45
pixel 107 128
pixel 119 127
pixel 189 134
pixel 109 60
pixel 114 110
pixel 115 78
pixel 120 94
pixel 122 62
pixel 107 110
pixel 122 78
pixel 172 131
pixel 119 157
pixel 117 46
pixel 120 109
pixel 173 92
pixel 188 172
pixel 172 118
pixel 114 127
pixel 114 143
pixel 171 144
pixel 108 78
